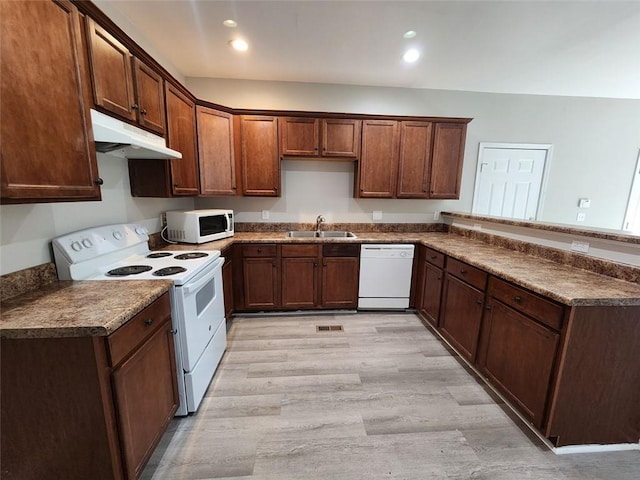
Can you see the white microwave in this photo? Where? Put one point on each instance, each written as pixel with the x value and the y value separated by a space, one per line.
pixel 199 226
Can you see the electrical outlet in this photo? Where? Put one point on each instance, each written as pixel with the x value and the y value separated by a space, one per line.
pixel 581 217
pixel 265 214
pixel 582 247
pixel 377 215
pixel 584 202
pixel 436 216
pixel 163 220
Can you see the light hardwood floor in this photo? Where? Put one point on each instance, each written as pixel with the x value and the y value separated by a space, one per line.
pixel 382 400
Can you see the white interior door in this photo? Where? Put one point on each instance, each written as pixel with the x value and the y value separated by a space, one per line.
pixel 632 217
pixel 509 180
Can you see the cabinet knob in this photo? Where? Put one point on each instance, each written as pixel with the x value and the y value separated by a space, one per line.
pixel 479 302
pixel 135 106
pixel 98 181
pixel 148 321
pixel 463 271
pixel 175 185
pixel 488 307
pixel 517 299
pixel 315 265
pixel 234 188
pixel 173 331
pixel 433 257
pixel 275 188
pixel 259 250
pixel 143 112
pixel 316 149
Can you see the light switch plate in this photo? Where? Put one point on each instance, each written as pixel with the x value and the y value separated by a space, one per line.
pixel 377 215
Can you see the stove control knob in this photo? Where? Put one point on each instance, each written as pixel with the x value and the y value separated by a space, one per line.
pixel 141 231
pixel 76 246
pixel 87 243
pixel 117 235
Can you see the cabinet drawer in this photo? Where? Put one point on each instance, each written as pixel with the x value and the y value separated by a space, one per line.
pixel 472 275
pixel 542 310
pixel 300 250
pixel 258 250
pixel 434 257
pixel 341 250
pixel 133 333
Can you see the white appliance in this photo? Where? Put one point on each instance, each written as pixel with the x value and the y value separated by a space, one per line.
pixel 121 252
pixel 199 226
pixel 119 139
pixel 385 276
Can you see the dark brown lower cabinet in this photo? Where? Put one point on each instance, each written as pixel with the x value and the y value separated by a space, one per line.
pixel 433 278
pixel 340 282
pixel 260 277
pixel 92 407
pixel 461 315
pixel 518 355
pixel 227 283
pixel 300 282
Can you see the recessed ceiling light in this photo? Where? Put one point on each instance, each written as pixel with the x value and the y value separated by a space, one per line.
pixel 411 55
pixel 409 34
pixel 239 44
pixel 230 23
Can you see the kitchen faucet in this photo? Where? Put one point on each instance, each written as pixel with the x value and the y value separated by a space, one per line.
pixel 319 220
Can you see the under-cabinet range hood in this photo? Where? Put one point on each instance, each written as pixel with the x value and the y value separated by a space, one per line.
pixel 119 139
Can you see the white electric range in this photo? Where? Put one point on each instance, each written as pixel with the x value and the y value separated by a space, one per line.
pixel 121 252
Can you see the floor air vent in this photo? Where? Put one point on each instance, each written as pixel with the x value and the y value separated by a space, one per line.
pixel 329 328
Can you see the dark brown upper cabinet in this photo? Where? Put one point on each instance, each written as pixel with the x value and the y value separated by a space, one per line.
pixel 215 152
pixel 314 137
pixel 181 136
pixel 446 162
pixel 414 163
pixel 259 153
pixel 47 149
pixel 122 84
pixel 378 167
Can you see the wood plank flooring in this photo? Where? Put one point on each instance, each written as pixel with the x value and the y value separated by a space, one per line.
pixel 385 399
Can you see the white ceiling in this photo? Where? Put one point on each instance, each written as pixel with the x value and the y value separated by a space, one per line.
pixel 575 48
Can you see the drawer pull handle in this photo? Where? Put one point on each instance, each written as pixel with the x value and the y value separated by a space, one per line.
pixel 463 271
pixel 433 257
pixel 148 321
pixel 173 331
pixel 517 299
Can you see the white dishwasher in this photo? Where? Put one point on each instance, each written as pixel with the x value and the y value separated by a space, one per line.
pixel 385 276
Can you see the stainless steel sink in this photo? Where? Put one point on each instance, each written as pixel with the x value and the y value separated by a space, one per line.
pixel 301 234
pixel 336 234
pixel 312 234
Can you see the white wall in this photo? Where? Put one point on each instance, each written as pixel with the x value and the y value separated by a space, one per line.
pixel 595 147
pixel 26 231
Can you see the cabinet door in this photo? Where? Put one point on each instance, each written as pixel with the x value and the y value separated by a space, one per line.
pixel 446 162
pixel 341 138
pixel 461 316
pixel 181 136
pixel 378 167
pixel 260 161
pixel 146 393
pixel 110 72
pixel 150 97
pixel 340 282
pixel 260 283
pixel 215 152
pixel 47 152
pixel 414 162
pixel 299 282
pixel 299 136
pixel 518 355
pixel 431 293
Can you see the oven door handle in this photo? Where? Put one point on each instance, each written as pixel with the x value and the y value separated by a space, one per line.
pixel 206 278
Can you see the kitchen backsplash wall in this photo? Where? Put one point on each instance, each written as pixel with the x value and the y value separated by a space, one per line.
pixel 311 188
pixel 27 230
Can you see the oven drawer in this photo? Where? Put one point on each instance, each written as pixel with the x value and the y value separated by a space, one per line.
pixel 133 333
